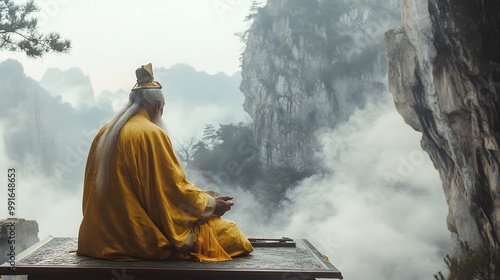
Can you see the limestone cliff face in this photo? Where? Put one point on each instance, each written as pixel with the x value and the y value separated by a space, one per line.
pixel 444 73
pixel 23 117
pixel 307 65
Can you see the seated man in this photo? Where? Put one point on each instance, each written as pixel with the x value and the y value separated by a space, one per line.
pixel 137 203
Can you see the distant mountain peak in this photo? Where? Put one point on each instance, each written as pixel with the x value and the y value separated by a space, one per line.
pixel 72 85
pixel 11 68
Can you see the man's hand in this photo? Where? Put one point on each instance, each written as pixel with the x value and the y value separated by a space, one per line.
pixel 222 205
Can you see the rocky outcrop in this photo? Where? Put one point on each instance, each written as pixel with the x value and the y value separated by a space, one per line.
pixel 16 235
pixel 444 73
pixel 308 65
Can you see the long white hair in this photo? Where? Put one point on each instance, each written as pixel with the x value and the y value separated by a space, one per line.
pixel 139 98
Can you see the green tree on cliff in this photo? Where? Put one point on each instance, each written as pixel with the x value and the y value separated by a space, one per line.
pixel 228 153
pixel 19 31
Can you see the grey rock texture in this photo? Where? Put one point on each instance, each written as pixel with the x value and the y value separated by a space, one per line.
pixel 444 73
pixel 307 65
pixel 19 233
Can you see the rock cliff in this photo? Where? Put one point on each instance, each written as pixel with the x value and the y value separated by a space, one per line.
pixel 307 65
pixel 444 73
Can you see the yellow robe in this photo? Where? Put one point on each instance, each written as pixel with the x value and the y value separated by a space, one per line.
pixel 148 208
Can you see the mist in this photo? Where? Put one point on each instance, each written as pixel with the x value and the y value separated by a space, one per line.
pixel 378 212
pixel 381 210
pixel 40 198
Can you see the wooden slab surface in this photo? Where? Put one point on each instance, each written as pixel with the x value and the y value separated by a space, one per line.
pixel 52 259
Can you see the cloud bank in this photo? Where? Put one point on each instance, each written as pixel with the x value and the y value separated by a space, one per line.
pixel 379 211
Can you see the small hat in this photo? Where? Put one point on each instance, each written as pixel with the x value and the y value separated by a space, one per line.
pixel 145 77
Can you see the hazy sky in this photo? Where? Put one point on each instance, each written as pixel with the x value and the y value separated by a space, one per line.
pixel 112 38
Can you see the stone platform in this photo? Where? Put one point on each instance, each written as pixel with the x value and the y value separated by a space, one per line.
pixel 53 258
